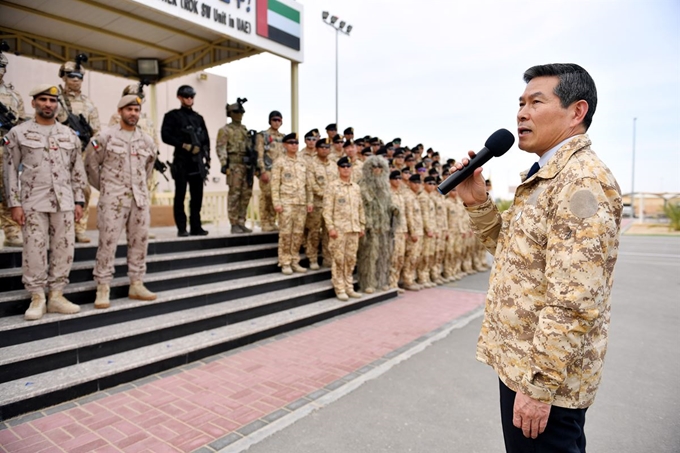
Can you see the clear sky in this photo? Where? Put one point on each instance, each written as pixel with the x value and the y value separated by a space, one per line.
pixel 449 73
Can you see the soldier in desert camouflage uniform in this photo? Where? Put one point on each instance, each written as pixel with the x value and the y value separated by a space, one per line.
pixel 442 222
pixel 79 104
pixel 414 241
pixel 400 228
pixel 309 151
pixel 45 200
pixel 428 210
pixel 231 148
pixel 547 312
pixel 11 99
pixel 269 149
pixel 119 162
pixel 292 198
pixel 456 217
pixel 343 212
pixel 321 172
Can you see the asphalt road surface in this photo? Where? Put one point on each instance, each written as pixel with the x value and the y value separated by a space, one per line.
pixel 442 400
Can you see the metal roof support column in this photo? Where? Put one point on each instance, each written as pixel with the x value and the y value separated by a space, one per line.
pixel 294 105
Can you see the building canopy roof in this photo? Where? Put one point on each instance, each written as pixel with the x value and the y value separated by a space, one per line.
pixel 183 35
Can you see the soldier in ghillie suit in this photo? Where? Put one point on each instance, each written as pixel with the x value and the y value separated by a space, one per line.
pixel 375 248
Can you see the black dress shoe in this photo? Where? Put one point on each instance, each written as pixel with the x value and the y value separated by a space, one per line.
pixel 200 232
pixel 182 234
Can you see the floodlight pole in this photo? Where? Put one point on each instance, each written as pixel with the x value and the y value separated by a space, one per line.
pixel 632 182
pixel 331 20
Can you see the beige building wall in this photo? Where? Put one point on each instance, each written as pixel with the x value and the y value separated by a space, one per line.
pixel 105 90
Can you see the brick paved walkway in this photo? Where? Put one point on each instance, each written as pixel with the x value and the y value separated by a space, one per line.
pixel 212 403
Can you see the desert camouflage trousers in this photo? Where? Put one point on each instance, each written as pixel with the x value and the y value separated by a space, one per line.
pixel 10 227
pixel 426 259
pixel 467 252
pixel 452 255
pixel 398 255
pixel 43 232
pixel 267 212
pixel 411 258
pixel 438 259
pixel 81 226
pixel 111 220
pixel 291 233
pixel 316 233
pixel 239 193
pixel 344 253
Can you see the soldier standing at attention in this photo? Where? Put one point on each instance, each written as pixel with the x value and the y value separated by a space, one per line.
pixel 337 150
pixel 427 207
pixel 414 241
pixel 348 134
pixel 292 199
pixel 235 161
pixel 46 200
pixel 269 150
pixel 343 212
pixel 12 101
pixel 350 150
pixel 119 162
pixel 400 228
pixel 321 172
pixel 185 130
pixel 332 131
pixel 442 225
pixel 77 103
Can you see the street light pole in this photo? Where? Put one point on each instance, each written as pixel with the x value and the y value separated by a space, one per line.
pixel 340 27
pixel 632 182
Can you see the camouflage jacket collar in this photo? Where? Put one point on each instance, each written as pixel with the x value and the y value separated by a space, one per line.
pixel 560 159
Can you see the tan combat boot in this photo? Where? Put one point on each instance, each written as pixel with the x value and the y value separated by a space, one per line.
pixel 286 269
pixel 342 296
pixel 103 293
pixel 57 303
pixel 297 268
pixel 139 292
pixel 314 265
pixel 352 293
pixel 37 308
pixel 82 238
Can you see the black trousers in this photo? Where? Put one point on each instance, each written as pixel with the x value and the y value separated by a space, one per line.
pixel 182 178
pixel 563 434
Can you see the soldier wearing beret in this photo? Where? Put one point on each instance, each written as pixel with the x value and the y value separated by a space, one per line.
pixel 547 314
pixel 442 226
pixel 77 103
pixel 400 228
pixel 349 149
pixel 337 150
pixel 321 172
pixel 348 134
pixel 332 131
pixel 11 99
pixel 343 212
pixel 119 162
pixel 232 151
pixel 292 198
pixel 365 154
pixel 414 240
pixel 428 209
pixel 185 130
pixel 46 199
pixel 309 151
pixel 269 149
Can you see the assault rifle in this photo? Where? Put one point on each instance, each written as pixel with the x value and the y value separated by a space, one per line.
pixel 7 119
pixel 159 166
pixel 202 156
pixel 250 159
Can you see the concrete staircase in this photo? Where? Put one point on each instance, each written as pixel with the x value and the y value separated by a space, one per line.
pixel 214 294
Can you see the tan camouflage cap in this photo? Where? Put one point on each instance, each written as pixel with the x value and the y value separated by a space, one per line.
pixel 70 67
pixel 45 88
pixel 130 99
pixel 130 89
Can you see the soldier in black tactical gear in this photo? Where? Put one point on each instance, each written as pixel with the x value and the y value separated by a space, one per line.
pixel 185 130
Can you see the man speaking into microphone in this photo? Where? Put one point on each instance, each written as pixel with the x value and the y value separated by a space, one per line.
pixel 547 311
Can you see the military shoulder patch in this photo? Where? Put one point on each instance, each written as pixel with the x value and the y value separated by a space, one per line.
pixel 583 204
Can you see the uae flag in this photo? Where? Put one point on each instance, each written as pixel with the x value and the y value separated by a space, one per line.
pixel 278 22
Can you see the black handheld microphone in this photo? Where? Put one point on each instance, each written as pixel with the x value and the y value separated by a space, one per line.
pixel 496 145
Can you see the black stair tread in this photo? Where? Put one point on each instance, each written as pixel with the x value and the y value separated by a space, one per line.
pixel 12 272
pixel 62 378
pixel 153 277
pixel 39 348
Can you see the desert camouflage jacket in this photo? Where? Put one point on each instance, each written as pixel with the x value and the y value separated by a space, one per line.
pixel 547 310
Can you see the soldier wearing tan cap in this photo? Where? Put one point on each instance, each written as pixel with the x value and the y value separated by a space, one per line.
pixel 77 103
pixel 46 200
pixel 119 162
pixel 12 101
